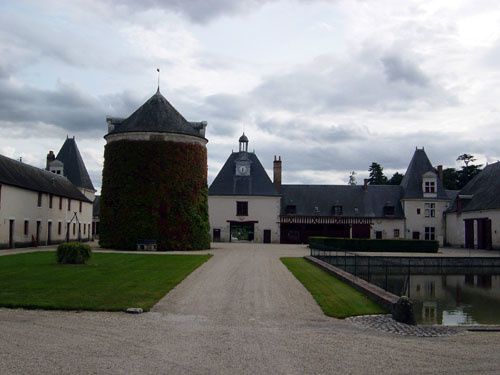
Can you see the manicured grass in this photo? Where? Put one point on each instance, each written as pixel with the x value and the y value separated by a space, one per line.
pixel 335 298
pixel 108 282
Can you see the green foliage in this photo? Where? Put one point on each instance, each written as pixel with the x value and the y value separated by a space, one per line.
pixel 155 190
pixel 335 297
pixel 395 179
pixel 73 253
pixel 374 245
pixel 110 282
pixel 450 179
pixel 376 174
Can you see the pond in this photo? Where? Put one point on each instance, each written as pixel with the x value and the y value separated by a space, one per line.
pixel 448 299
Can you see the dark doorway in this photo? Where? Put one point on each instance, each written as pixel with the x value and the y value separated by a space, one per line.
pixel 38 225
pixel 469 233
pixel 11 233
pixel 484 234
pixel 361 231
pixel 216 235
pixel 267 236
pixel 378 234
pixel 49 233
pixel 416 235
pixel 242 231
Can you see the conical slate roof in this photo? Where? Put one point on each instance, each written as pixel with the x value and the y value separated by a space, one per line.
pixel 158 115
pixel 412 180
pixel 484 189
pixel 74 167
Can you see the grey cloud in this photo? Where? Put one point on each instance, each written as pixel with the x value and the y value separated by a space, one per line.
pixel 327 84
pixel 398 69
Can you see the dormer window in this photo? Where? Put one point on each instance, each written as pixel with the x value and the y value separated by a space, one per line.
pixel 337 210
pixel 430 186
pixel 389 210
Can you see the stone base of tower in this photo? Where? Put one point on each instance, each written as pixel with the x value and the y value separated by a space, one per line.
pixel 154 190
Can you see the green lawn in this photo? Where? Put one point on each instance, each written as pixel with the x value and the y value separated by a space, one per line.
pixel 335 298
pixel 110 281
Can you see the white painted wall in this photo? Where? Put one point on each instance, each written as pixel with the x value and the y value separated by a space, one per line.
pixel 455 227
pixel 20 204
pixel 417 222
pixel 265 210
pixel 387 226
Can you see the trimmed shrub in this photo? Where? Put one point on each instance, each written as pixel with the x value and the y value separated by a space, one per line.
pixel 73 253
pixel 154 190
pixel 373 245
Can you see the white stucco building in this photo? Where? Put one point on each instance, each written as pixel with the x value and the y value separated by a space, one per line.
pixel 473 220
pixel 243 202
pixel 39 207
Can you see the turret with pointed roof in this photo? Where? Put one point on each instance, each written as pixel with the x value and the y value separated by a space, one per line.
pixel 413 178
pixel 156 115
pixel 74 167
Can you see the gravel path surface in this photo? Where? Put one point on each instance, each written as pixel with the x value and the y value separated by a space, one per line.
pixel 241 312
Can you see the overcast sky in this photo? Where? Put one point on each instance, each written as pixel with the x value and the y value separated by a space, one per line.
pixel 331 86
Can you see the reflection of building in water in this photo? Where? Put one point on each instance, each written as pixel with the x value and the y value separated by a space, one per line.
pixel 430 312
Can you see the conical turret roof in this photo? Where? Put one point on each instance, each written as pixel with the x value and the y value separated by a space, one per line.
pixel 74 167
pixel 158 115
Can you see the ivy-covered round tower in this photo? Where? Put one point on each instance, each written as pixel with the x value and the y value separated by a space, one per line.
pixel 154 184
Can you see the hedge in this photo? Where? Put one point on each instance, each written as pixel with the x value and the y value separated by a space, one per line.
pixel 154 190
pixel 73 253
pixel 374 245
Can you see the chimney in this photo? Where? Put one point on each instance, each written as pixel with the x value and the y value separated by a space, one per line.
pixel 365 184
pixel 440 172
pixel 50 158
pixel 277 173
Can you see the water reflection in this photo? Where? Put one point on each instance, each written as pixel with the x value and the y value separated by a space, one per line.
pixel 448 299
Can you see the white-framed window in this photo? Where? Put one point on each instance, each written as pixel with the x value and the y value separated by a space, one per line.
pixel 430 233
pixel 430 186
pixel 430 209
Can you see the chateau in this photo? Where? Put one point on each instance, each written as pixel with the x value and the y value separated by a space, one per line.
pixel 246 205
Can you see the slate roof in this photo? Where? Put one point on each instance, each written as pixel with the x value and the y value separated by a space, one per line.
pixel 158 115
pixel 74 167
pixel 485 190
pixel 257 184
pixel 15 173
pixel 412 180
pixel 370 203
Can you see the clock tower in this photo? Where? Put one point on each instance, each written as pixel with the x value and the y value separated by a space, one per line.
pixel 243 161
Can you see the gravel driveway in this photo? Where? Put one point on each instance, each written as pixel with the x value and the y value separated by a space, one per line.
pixel 241 312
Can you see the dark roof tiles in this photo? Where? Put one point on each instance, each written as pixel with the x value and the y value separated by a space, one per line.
pixel 74 167
pixel 158 115
pixel 484 189
pixel 355 201
pixel 412 180
pixel 15 173
pixel 227 183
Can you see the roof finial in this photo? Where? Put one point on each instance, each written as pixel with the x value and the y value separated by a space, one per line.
pixel 158 90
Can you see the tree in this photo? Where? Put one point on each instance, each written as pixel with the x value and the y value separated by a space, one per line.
pixel 352 179
pixel 395 179
pixel 376 175
pixel 468 172
pixel 466 158
pixel 450 179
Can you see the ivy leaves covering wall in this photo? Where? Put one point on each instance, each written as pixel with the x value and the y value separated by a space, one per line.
pixel 154 190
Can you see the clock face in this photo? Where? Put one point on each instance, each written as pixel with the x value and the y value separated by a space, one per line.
pixel 242 169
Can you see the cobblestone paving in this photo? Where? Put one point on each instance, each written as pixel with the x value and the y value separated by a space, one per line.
pixel 387 324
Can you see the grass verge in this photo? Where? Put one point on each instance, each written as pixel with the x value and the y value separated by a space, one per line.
pixel 335 297
pixel 109 282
